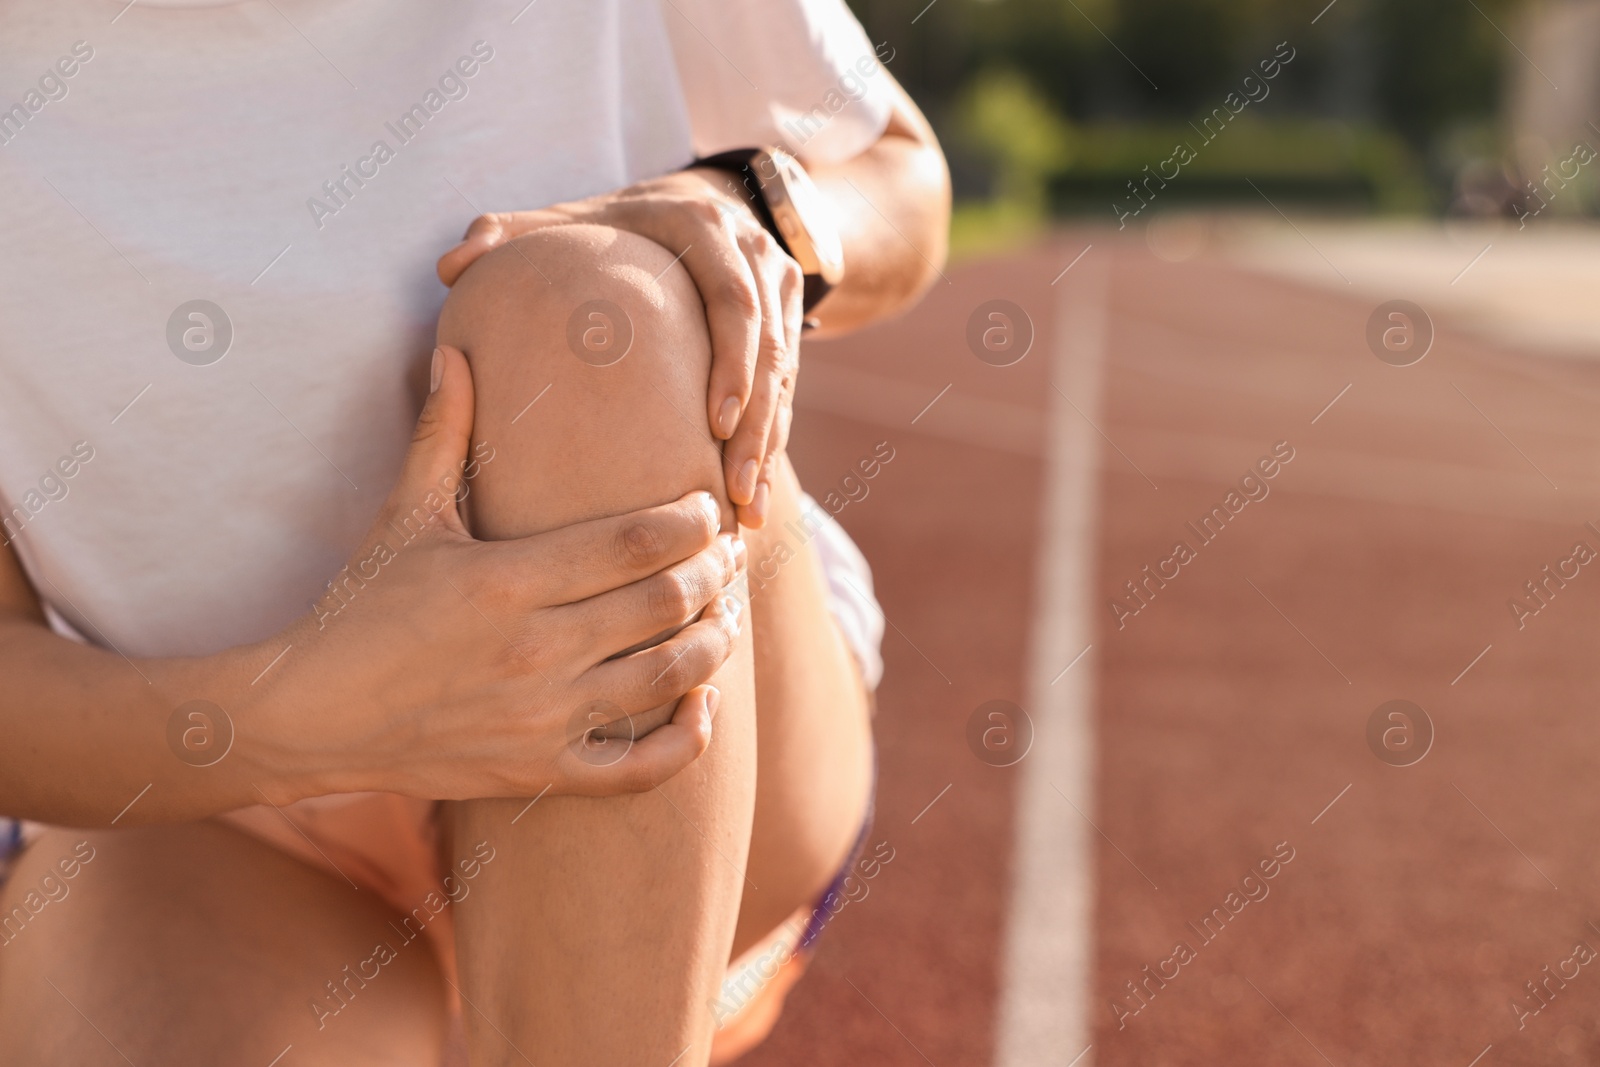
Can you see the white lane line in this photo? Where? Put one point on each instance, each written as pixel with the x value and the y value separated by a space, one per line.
pixel 1474 263
pixel 1048 950
pixel 1071 665
pixel 1069 266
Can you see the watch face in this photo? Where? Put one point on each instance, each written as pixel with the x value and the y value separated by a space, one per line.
pixel 803 217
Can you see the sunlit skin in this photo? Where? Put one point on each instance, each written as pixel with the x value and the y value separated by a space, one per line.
pixel 604 924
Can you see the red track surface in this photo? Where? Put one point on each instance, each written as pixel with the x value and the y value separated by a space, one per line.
pixel 951 531
pixel 1228 717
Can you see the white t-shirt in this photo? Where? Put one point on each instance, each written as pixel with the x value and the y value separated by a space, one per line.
pixel 300 164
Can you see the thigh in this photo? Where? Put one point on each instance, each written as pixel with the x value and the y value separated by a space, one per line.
pixel 196 944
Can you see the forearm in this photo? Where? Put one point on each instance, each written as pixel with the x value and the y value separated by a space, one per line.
pixel 86 731
pixel 892 204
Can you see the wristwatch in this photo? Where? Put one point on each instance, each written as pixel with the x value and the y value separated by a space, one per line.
pixel 789 205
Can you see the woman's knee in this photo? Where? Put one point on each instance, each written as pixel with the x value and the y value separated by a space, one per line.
pixel 590 358
pixel 593 308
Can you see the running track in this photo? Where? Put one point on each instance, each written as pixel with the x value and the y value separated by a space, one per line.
pixel 1230 715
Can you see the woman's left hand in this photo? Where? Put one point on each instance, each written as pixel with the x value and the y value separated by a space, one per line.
pixel 752 291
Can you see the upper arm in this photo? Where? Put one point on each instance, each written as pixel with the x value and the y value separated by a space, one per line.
pixel 906 118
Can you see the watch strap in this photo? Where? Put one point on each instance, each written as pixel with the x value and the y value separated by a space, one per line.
pixel 737 162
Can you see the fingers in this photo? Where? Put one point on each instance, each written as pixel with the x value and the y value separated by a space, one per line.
pixel 734 315
pixel 731 291
pixel 485 233
pixel 652 760
pixel 488 232
pixel 655 676
pixel 746 451
pixel 792 291
pixel 623 618
pixel 777 441
pixel 586 559
pixel 437 456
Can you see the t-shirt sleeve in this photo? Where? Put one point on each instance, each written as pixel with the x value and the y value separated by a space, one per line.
pixel 795 73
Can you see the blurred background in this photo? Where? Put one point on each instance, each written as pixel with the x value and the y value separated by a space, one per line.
pixel 1048 108
pixel 1240 703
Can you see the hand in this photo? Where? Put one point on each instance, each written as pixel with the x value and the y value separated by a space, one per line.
pixel 752 291
pixel 448 668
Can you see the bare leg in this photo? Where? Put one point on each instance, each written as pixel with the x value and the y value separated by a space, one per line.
pixel 605 936
pixel 814 751
pixel 197 944
pixel 608 939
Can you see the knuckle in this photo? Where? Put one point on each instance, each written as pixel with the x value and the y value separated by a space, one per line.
pixel 507 663
pixel 702 580
pixel 670 598
pixel 706 211
pixel 705 521
pixel 486 223
pixel 727 572
pixel 675 677
pixel 641 544
pixel 718 642
pixel 777 373
pixel 737 293
pixel 428 424
pixel 759 241
pixel 772 344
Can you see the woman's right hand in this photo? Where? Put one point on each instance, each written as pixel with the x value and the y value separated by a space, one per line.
pixel 444 667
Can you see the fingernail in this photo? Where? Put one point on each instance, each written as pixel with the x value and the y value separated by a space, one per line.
pixel 733 610
pixel 758 503
pixel 733 547
pixel 437 373
pixel 709 505
pixel 740 553
pixel 482 241
pixel 728 417
pixel 713 698
pixel 747 474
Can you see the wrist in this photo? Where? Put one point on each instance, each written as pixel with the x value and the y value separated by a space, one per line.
pixel 204 727
pixel 727 190
pixel 790 207
pixel 268 711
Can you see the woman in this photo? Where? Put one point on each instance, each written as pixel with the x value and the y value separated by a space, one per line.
pixel 327 744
